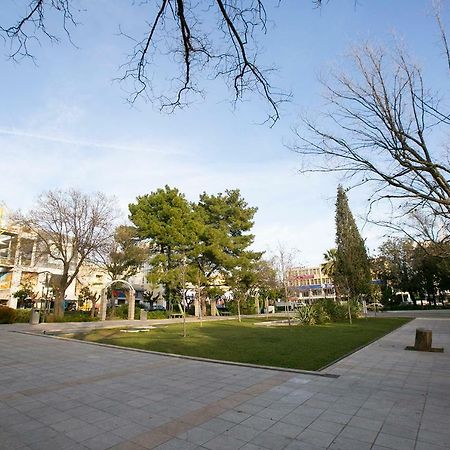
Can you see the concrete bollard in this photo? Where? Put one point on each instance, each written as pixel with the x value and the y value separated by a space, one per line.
pixel 143 315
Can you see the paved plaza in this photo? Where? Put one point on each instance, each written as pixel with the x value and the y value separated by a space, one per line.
pixel 59 394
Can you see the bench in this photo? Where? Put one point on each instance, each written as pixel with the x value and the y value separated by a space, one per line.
pixel 175 315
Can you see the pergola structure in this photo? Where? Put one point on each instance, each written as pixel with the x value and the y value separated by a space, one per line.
pixel 131 299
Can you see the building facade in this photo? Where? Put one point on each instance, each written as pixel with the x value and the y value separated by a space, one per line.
pixel 23 263
pixel 310 283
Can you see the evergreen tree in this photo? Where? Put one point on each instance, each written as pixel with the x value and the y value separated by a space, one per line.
pixel 352 267
pixel 166 219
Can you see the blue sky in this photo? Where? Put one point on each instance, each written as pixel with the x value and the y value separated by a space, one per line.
pixel 64 122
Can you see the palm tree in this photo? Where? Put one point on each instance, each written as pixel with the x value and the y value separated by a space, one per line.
pixel 329 266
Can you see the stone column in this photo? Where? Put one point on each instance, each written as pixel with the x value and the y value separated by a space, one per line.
pixel 131 301
pixel 258 309
pixel 103 305
pixel 196 307
pixel 214 311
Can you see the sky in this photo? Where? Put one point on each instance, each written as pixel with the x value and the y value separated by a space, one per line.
pixel 65 121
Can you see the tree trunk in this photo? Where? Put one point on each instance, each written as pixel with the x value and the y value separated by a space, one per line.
pixel 59 305
pixel 349 311
pixel 423 340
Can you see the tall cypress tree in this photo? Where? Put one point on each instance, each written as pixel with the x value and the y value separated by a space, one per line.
pixel 352 270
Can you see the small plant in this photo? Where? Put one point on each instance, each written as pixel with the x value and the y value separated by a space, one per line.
pixel 325 311
pixel 306 316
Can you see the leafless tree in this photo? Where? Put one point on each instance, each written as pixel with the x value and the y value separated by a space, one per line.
pixel 214 37
pixel 71 228
pixel 125 254
pixel 383 127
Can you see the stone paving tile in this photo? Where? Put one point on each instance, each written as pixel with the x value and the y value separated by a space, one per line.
pixel 242 432
pixel 75 394
pixel 218 425
pixel 271 441
pixel 327 426
pixel 395 442
pixel 176 444
pixel 224 443
pixel 198 435
pixel 318 438
pixel 285 429
pixel 250 446
pixel 342 443
pixel 358 434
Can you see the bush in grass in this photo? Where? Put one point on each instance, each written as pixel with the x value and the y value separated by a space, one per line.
pixel 325 311
pixel 72 316
pixel 22 315
pixel 156 315
pixel 7 315
pixel 306 315
pixel 121 313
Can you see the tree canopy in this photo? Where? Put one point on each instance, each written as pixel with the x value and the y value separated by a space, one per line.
pixel 352 269
pixel 71 228
pixel 202 241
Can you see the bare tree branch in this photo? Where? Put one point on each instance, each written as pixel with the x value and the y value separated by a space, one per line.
pixel 380 124
pixel 179 33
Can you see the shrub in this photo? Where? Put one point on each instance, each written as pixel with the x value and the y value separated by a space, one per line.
pixel 72 316
pixel 156 315
pixel 7 315
pixel 121 313
pixel 306 315
pixel 22 315
pixel 327 310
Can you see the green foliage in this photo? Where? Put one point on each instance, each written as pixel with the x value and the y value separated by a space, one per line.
pixel 121 313
pixel 418 269
pixel 25 296
pixel 156 315
pixel 72 316
pixel 352 268
pixel 22 315
pixel 7 315
pixel 306 315
pixel 166 219
pixel 125 255
pixel 246 306
pixel 326 311
pixel 197 243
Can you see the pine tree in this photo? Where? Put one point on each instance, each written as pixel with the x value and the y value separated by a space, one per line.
pixel 352 267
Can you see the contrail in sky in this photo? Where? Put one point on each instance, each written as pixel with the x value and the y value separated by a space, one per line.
pixel 68 141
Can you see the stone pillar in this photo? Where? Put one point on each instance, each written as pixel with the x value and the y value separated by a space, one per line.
pixel 266 306
pixel 196 307
pixel 214 311
pixel 131 302
pixel 103 305
pixel 258 309
pixel 143 314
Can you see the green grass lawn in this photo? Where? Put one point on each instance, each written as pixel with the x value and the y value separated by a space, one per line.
pixel 308 347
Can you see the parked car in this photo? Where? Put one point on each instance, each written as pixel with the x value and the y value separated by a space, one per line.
pixel 158 308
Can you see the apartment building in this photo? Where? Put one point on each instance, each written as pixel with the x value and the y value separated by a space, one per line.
pixel 310 283
pixel 22 262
